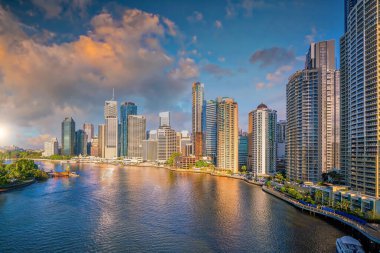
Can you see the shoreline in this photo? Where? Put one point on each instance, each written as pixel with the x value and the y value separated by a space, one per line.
pixel 22 184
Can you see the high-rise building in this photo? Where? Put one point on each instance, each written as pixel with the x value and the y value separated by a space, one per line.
pixel 264 123
pixel 197 116
pixel 50 147
pixel 164 119
pixel 136 135
pixel 89 130
pixel 126 109
pixel 95 146
pixel 150 150
pixel 227 134
pixel 111 129
pixel 68 137
pixel 321 56
pixel 166 143
pixel 281 138
pixel 101 140
pixel 80 142
pixel 313 114
pixel 152 135
pixel 185 140
pixel 360 120
pixel 302 150
pixel 243 150
pixel 210 128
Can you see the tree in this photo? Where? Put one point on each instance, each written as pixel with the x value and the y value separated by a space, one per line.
pixel 201 164
pixel 345 205
pixel 244 169
pixel 318 196
pixel 173 158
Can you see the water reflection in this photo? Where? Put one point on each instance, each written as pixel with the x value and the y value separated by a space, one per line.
pixel 111 208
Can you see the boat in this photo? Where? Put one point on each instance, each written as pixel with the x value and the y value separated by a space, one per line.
pixel 347 244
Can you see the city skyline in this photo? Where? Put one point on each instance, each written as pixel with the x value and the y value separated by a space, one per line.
pixel 185 50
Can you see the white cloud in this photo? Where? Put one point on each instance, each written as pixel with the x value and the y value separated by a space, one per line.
pixel 218 24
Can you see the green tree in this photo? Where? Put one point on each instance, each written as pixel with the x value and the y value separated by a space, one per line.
pixel 244 169
pixel 318 196
pixel 201 164
pixel 173 158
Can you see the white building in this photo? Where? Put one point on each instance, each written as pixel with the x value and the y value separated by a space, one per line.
pixel 136 135
pixel 50 147
pixel 111 129
pixel 164 119
pixel 263 122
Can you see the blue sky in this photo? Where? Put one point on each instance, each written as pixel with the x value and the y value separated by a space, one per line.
pixel 244 49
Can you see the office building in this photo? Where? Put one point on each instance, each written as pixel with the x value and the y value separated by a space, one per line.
pixel 243 150
pixel 68 137
pixel 101 140
pixel 111 129
pixel 126 109
pixel 281 139
pixel 197 116
pixel 150 150
pixel 210 129
pixel 136 135
pixel 94 146
pixel 89 130
pixel 50 147
pixel 264 123
pixel 227 134
pixel 164 119
pixel 80 142
pixel 359 52
pixel 166 143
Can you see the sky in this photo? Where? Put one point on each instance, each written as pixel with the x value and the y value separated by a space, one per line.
pixel 62 58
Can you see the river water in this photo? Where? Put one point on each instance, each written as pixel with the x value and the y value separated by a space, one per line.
pixel 140 209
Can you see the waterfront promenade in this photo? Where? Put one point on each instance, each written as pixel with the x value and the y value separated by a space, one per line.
pixel 366 230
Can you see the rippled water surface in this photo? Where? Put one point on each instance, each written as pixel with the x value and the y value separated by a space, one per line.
pixel 135 209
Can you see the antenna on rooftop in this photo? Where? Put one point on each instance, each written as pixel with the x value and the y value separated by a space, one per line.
pixel 113 93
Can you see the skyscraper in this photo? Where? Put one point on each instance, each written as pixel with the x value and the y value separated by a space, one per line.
pixel 68 136
pixel 243 149
pixel 302 150
pixel 281 138
pixel 210 129
pixel 227 132
pixel 89 130
pixel 111 129
pixel 50 147
pixel 126 109
pixel 136 135
pixel 80 142
pixel 101 140
pixel 264 123
pixel 164 119
pixel 321 56
pixel 94 146
pixel 197 115
pixel 166 143
pixel 359 96
pixel 313 109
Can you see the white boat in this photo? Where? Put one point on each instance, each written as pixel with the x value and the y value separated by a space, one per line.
pixel 347 244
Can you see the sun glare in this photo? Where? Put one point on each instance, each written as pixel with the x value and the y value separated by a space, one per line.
pixel 3 132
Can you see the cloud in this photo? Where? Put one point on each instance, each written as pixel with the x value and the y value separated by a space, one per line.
pixel 309 38
pixel 216 70
pixel 42 83
pixel 194 39
pixel 218 24
pixel 279 76
pixel 38 141
pixel 221 59
pixel 54 9
pixel 246 7
pixel 274 56
pixel 195 17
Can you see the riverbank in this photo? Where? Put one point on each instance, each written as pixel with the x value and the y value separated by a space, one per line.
pixel 367 231
pixel 9 187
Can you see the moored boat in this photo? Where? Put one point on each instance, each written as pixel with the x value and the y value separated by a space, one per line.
pixel 347 244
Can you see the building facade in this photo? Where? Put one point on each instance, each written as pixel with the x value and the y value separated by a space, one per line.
pixel 164 119
pixel 150 150
pixel 80 142
pixel 243 150
pixel 136 135
pixel 111 129
pixel 360 99
pixel 281 138
pixel 101 140
pixel 264 124
pixel 210 129
pixel 197 117
pixel 227 134
pixel 50 147
pixel 166 141
pixel 126 109
pixel 68 137
pixel 94 146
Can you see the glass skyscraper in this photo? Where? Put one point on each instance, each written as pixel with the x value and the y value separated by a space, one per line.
pixel 126 109
pixel 210 129
pixel 68 136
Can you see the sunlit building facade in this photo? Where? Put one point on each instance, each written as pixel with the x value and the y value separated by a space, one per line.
pixel 68 137
pixel 126 109
pixel 136 135
pixel 111 129
pixel 197 117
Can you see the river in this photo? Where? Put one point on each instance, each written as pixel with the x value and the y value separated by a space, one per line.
pixel 142 209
